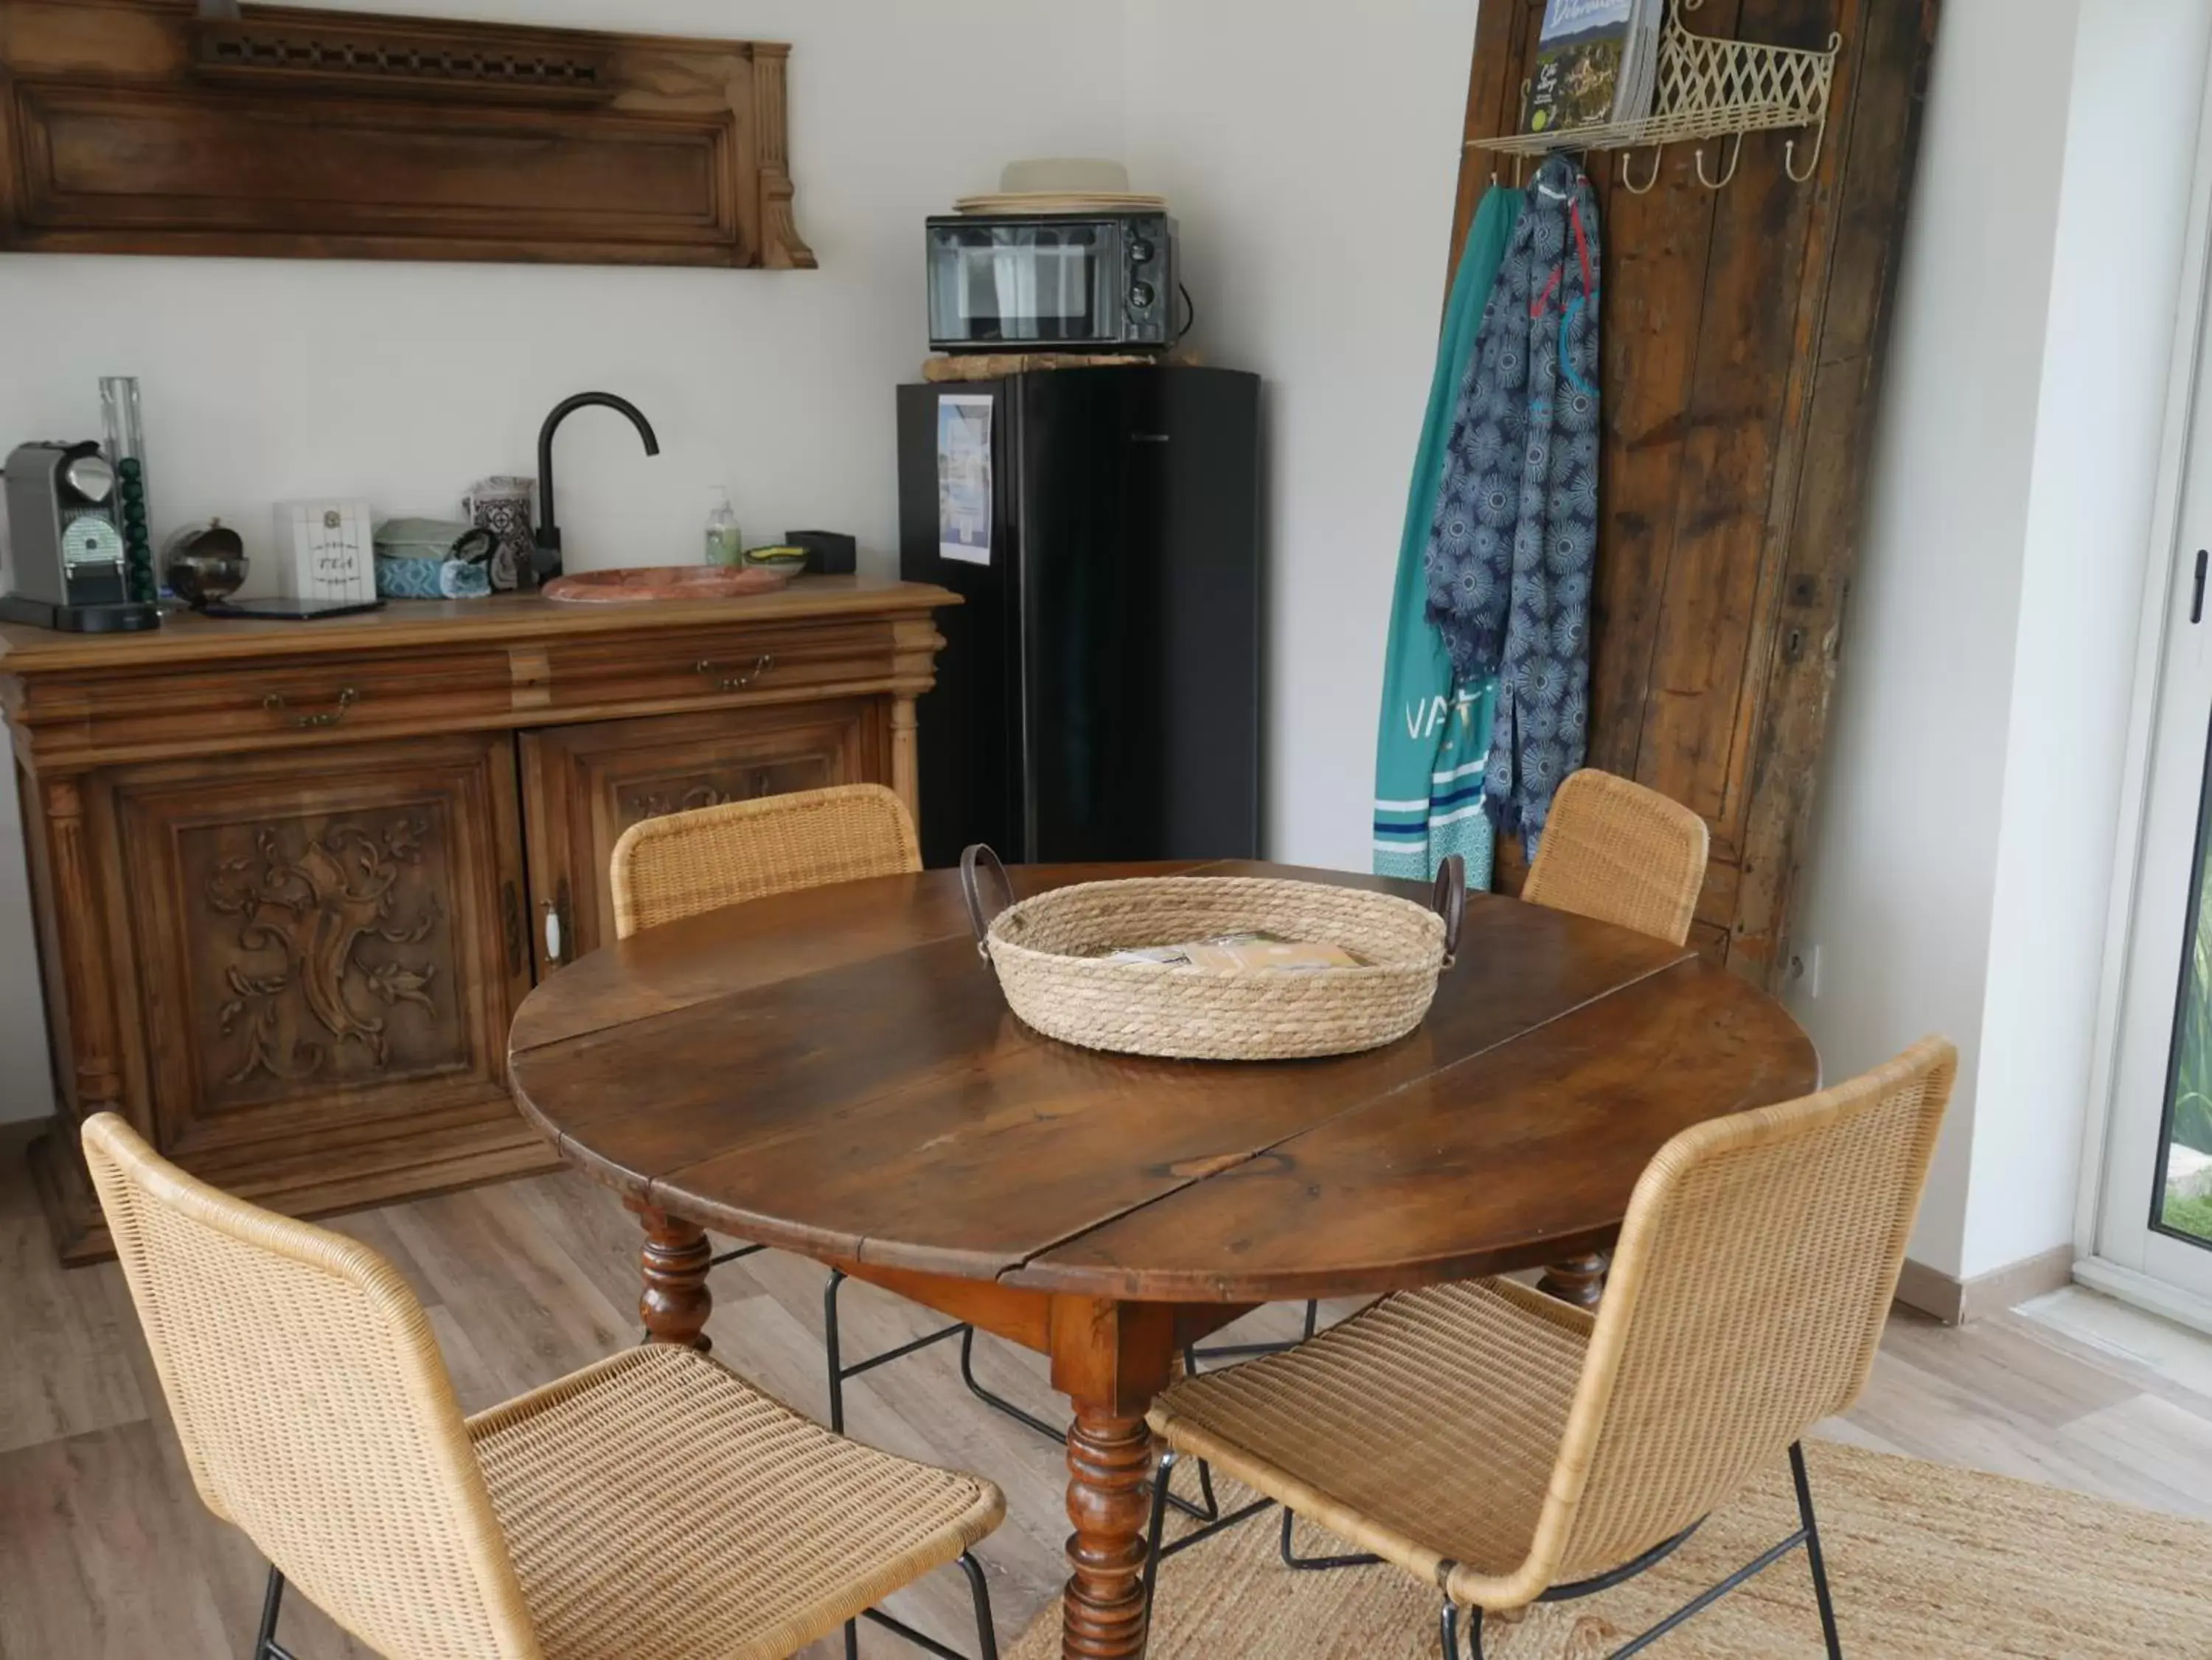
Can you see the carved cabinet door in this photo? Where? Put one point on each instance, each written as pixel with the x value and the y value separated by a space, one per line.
pixel 584 785
pixel 328 945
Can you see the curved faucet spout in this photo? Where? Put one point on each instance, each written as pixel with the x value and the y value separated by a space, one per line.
pixel 547 563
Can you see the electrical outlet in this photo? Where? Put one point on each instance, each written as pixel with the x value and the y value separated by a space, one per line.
pixel 1805 971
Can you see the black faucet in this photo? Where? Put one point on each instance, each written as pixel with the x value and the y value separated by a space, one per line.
pixel 546 562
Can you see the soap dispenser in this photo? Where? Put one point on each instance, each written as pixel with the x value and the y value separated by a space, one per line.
pixel 725 545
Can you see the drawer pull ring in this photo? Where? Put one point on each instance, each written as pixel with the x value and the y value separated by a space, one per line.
pixel 276 705
pixel 762 664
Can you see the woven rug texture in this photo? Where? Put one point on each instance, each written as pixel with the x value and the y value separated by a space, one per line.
pixel 1923 1561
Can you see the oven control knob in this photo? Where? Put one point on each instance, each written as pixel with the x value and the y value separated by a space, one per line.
pixel 1141 295
pixel 1141 252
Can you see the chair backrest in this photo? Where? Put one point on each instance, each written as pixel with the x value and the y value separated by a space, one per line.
pixel 1746 1300
pixel 669 868
pixel 1617 851
pixel 314 1410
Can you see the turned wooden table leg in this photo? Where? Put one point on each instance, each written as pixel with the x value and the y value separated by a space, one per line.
pixel 1108 1458
pixel 1578 1280
pixel 675 1302
pixel 1110 1360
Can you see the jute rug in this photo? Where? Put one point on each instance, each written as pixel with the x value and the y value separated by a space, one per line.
pixel 1923 1561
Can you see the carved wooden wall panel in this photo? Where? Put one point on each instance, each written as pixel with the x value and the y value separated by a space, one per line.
pixel 133 126
pixel 1744 329
pixel 324 932
pixel 586 784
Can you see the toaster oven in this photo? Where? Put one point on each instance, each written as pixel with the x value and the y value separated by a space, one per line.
pixel 1059 282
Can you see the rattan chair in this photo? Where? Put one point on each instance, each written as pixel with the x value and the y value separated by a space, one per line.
pixel 682 863
pixel 654 1503
pixel 1508 1449
pixel 666 869
pixel 1617 851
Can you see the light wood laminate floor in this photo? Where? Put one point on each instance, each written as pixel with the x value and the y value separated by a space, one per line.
pixel 106 1552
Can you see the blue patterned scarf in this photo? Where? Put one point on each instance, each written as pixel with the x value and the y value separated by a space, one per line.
pixel 1514 542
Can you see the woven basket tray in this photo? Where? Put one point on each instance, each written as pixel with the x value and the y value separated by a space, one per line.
pixel 1047 951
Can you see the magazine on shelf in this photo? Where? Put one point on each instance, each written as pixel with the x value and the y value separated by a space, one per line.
pixel 1597 62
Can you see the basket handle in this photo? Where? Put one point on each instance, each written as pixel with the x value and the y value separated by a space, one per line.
pixel 1448 900
pixel 978 854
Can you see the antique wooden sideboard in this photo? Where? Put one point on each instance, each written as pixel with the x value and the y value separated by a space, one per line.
pixel 292 879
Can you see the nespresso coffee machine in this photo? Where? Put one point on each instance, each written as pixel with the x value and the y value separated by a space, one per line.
pixel 66 549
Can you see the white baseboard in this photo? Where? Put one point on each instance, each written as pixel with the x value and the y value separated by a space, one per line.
pixel 1955 1301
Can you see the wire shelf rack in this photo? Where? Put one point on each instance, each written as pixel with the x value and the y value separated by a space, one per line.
pixel 1706 89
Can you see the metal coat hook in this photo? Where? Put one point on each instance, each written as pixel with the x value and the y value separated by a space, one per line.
pixel 1812 161
pixel 1658 159
pixel 1736 154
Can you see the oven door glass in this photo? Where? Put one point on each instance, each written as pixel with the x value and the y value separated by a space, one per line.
pixel 1018 283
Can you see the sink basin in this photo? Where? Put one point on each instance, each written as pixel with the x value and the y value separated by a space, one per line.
pixel 652 582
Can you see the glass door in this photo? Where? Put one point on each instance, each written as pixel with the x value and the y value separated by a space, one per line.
pixel 2181 1196
pixel 2154 1218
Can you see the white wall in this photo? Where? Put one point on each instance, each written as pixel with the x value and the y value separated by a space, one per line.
pixel 402 383
pixel 2130 152
pixel 1962 858
pixel 1312 151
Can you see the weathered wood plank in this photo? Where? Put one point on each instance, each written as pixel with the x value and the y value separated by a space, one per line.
pixel 1735 453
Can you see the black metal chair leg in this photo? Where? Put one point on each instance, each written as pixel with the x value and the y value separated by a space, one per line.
pixel 852 1640
pixel 1192 1355
pixel 986 1633
pixel 1315 1564
pixel 1056 1434
pixel 266 1645
pixel 1157 1530
pixel 832 1349
pixel 1813 1557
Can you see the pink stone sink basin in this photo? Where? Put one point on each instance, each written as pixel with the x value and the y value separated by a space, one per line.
pixel 649 582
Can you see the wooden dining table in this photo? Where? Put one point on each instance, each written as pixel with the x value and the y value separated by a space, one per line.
pixel 833 1072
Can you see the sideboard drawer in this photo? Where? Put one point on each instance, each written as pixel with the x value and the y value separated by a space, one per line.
pixel 718 664
pixel 280 702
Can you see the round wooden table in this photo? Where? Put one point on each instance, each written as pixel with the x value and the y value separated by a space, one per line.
pixel 833 1072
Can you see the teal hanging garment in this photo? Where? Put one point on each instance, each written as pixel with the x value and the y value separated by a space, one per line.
pixel 1435 733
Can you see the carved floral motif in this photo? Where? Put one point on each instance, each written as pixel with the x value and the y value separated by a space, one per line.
pixel 312 909
pixel 659 804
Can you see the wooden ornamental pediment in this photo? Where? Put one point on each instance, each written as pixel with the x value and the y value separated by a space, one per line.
pixel 137 126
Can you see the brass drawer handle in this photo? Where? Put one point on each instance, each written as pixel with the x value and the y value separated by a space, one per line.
pixel 762 664
pixel 276 705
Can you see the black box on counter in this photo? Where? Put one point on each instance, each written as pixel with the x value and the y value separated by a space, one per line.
pixel 829 553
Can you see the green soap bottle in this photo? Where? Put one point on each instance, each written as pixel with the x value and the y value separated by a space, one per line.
pixel 725 544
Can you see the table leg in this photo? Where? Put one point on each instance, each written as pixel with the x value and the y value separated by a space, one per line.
pixel 675 1302
pixel 1578 1280
pixel 1108 1458
pixel 1110 1360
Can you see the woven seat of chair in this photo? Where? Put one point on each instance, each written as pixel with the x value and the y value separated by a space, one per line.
pixel 1423 1430
pixel 655 1504
pixel 666 869
pixel 1620 853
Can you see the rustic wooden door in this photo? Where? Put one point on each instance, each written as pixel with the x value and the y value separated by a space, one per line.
pixel 328 947
pixel 584 785
pixel 1743 332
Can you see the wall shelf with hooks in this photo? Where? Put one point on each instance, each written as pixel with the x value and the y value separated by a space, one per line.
pixel 1707 89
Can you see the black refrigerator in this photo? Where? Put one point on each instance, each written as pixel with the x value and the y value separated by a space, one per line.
pixel 1098 694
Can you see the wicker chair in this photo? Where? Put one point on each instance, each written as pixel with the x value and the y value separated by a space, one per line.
pixel 1621 853
pixel 1509 1449
pixel 653 1503
pixel 666 869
